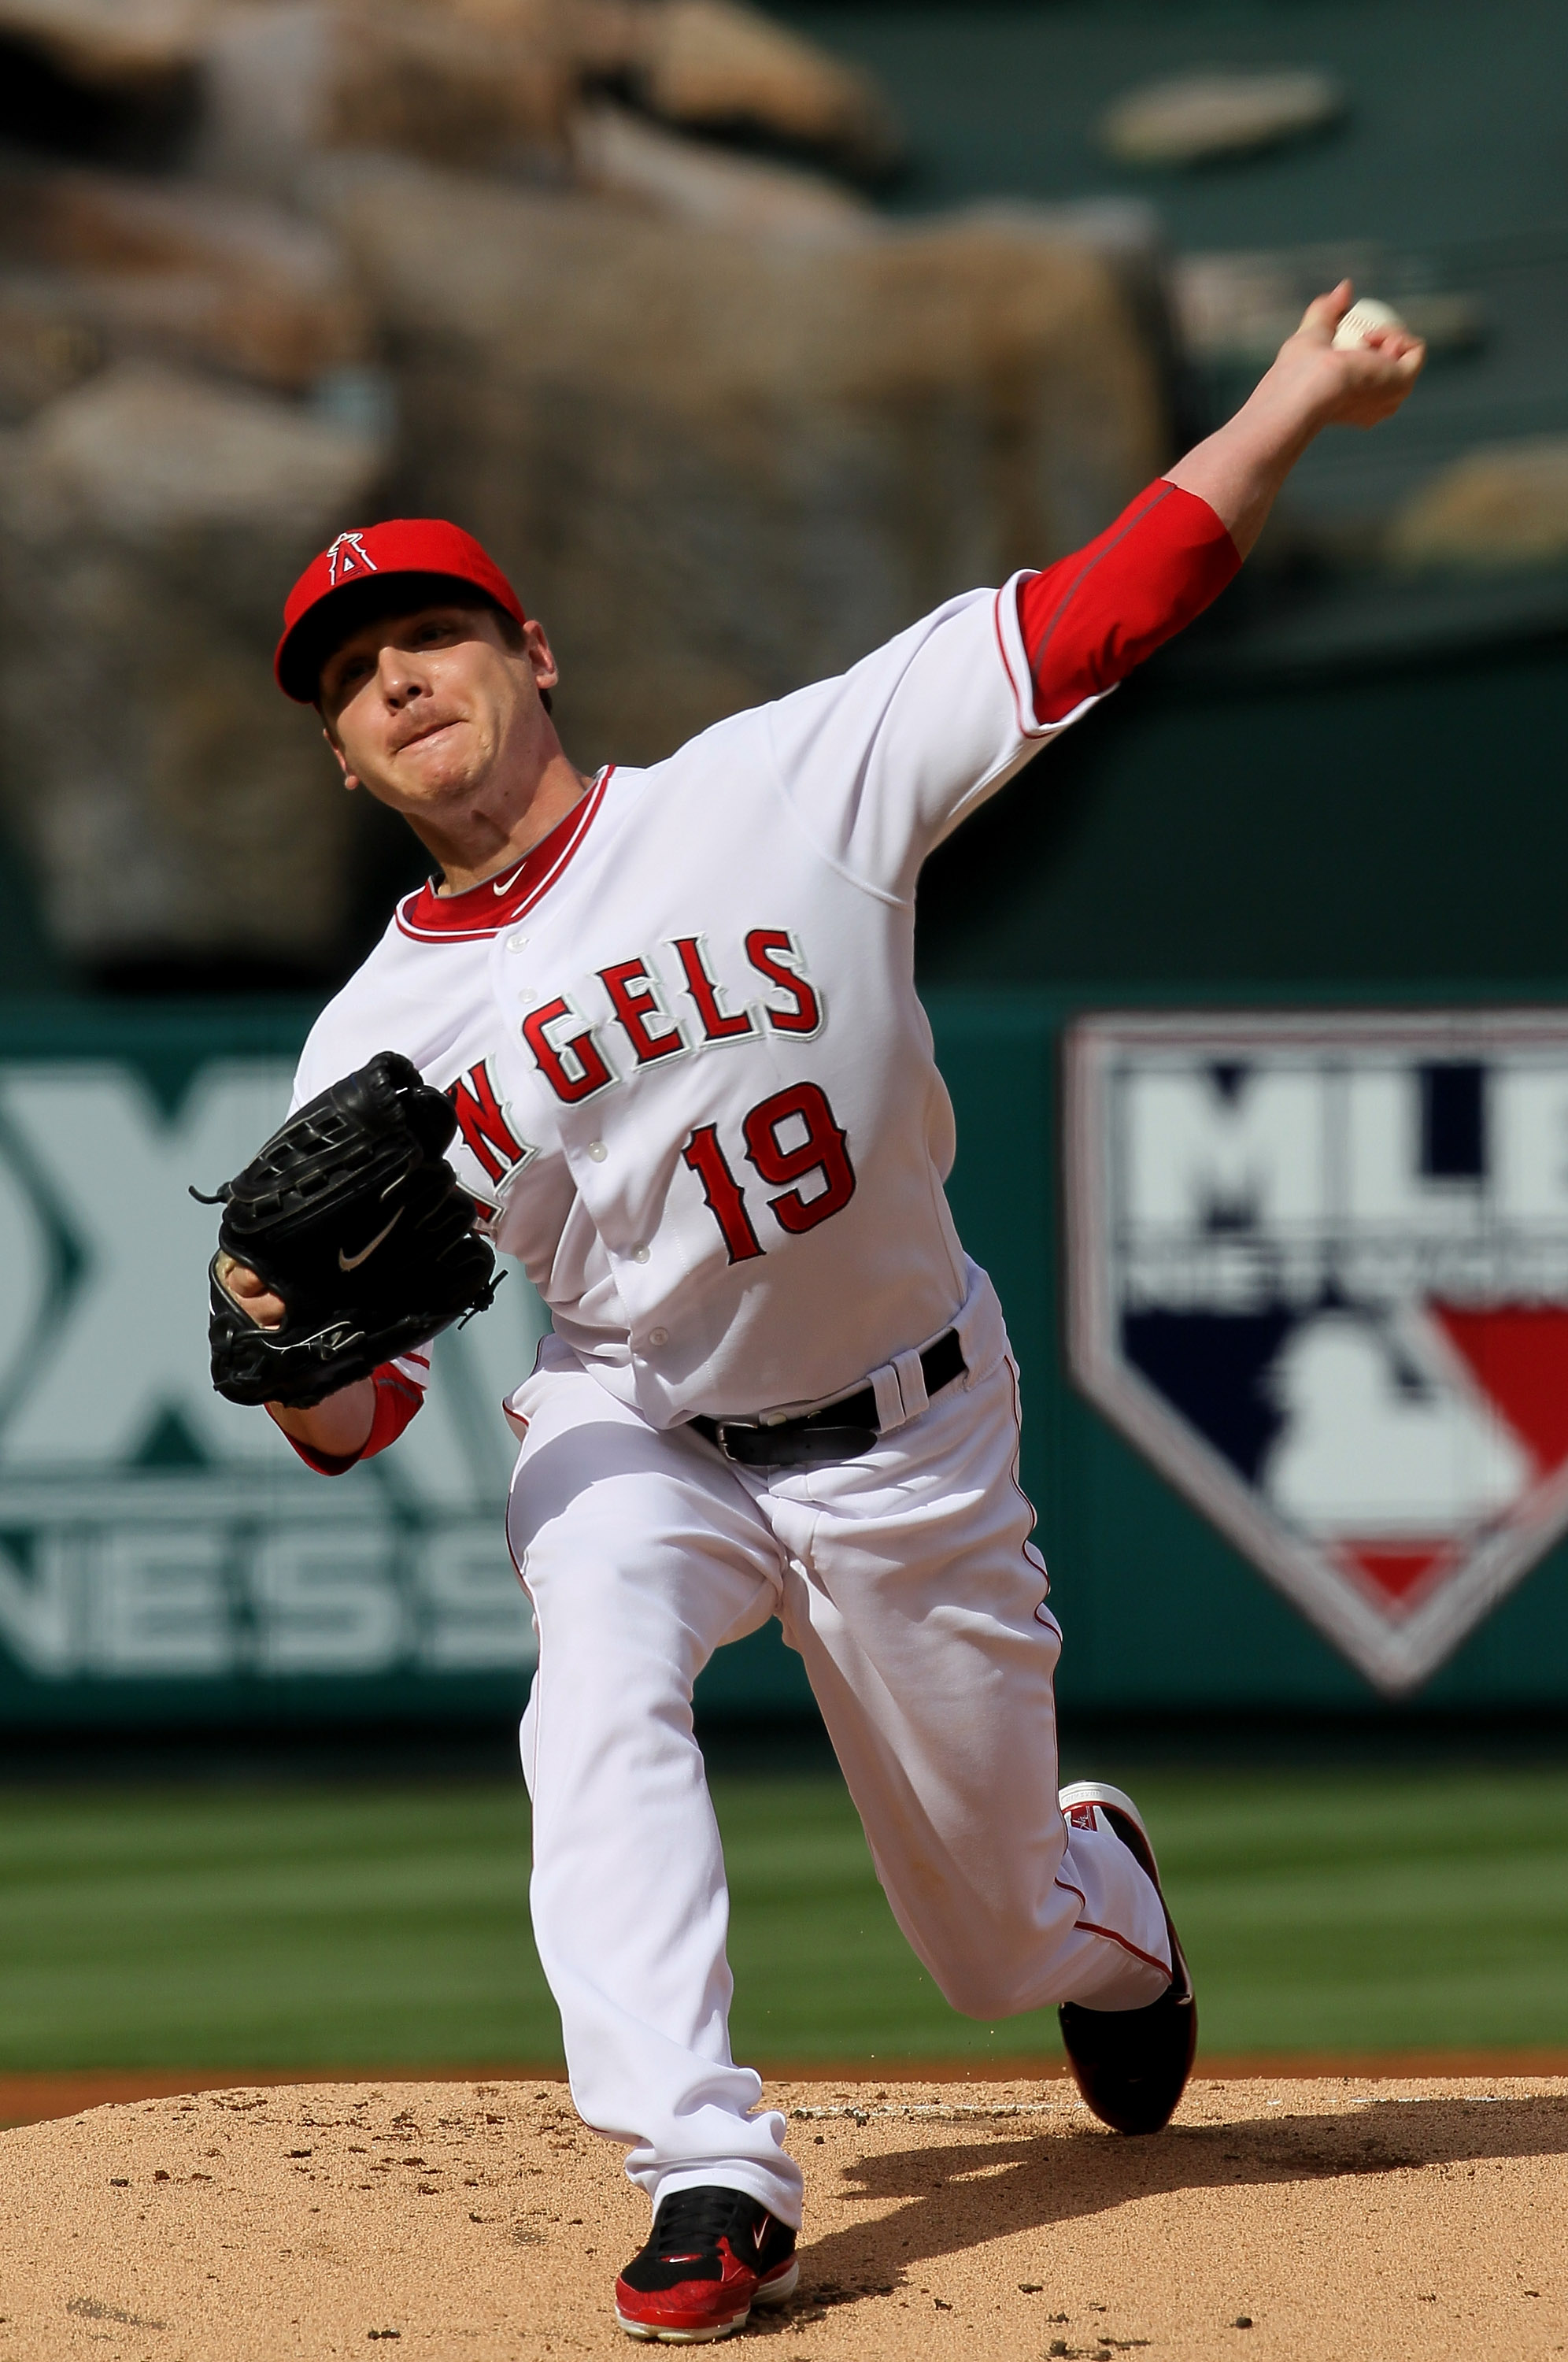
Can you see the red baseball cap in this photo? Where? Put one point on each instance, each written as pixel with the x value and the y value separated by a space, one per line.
pixel 319 611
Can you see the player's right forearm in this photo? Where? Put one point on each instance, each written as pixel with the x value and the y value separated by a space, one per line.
pixel 1313 383
pixel 1239 469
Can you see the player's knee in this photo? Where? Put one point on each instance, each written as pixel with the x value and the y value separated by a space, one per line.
pixel 602 1638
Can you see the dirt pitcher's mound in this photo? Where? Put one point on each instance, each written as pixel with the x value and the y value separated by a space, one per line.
pixel 1273 2221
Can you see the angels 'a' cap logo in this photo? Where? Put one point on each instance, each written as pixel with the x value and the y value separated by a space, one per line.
pixel 412 546
pixel 349 556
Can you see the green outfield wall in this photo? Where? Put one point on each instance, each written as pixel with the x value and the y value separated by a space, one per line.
pixel 165 1559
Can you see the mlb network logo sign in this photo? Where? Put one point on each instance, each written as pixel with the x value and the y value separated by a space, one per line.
pixel 1318 1274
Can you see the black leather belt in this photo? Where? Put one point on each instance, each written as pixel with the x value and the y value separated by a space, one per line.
pixel 841 1432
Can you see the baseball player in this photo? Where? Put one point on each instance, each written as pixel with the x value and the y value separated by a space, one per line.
pixel 674 1011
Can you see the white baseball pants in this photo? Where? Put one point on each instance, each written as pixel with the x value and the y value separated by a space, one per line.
pixel 907 1582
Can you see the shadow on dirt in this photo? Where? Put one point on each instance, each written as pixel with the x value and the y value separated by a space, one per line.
pixel 991 2183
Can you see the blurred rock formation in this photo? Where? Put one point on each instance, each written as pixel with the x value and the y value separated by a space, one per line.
pixel 177 270
pixel 284 81
pixel 620 154
pixel 175 807
pixel 1503 506
pixel 132 46
pixel 1200 119
pixel 559 269
pixel 1237 308
pixel 716 66
pixel 720 461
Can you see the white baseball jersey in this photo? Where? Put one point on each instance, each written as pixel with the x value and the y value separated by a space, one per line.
pixel 695 1088
pixel 695 1085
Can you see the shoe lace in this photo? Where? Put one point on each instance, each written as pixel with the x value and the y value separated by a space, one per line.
pixel 692 2222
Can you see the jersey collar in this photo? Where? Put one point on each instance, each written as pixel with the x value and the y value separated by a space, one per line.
pixel 483 910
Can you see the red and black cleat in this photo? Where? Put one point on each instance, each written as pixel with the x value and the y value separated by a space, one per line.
pixel 711 2256
pixel 1131 2065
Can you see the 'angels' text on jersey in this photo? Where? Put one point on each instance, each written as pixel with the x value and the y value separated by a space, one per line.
pixel 693 1083
pixel 570 1047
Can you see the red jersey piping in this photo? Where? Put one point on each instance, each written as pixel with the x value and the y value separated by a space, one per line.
pixel 496 903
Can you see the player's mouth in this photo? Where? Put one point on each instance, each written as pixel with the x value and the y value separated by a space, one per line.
pixel 426 730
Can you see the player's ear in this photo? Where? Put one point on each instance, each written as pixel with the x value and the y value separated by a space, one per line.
pixel 338 756
pixel 541 656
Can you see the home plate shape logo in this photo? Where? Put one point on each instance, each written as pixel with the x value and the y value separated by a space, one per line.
pixel 1318 1274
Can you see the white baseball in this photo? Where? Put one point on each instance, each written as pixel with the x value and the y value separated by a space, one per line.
pixel 1365 313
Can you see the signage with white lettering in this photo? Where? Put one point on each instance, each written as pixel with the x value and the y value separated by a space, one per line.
pixel 150 1531
pixel 1318 1274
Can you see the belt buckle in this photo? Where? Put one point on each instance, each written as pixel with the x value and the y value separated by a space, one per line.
pixel 799 1444
pixel 724 1427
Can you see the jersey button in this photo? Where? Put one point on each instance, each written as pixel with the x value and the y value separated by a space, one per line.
pixel 658 1336
pixel 598 1151
pixel 516 942
pixel 640 1254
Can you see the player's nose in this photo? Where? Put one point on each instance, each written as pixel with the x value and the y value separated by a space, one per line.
pixel 400 676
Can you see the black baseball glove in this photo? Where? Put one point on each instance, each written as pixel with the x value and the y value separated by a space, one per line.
pixel 351 1215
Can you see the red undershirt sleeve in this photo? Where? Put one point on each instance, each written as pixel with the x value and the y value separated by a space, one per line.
pixel 1091 618
pixel 397 1399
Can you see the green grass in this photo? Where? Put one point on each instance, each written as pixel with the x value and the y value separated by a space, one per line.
pixel 287 1926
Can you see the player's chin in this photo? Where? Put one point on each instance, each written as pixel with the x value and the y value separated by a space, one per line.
pixel 436 769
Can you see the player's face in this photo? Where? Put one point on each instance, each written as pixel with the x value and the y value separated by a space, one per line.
pixel 425 709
